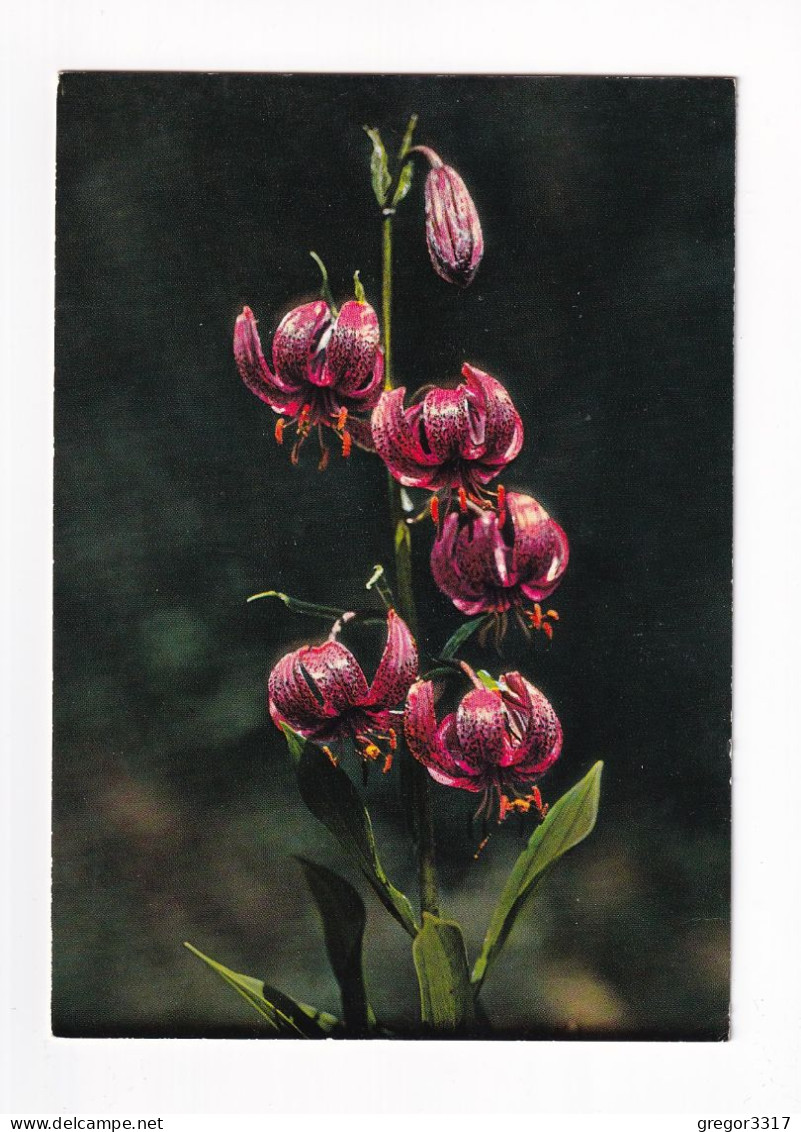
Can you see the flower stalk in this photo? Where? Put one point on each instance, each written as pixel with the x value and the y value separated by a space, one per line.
pixel 402 543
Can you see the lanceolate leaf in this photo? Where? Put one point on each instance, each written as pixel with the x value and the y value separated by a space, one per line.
pixel 404 183
pixel 334 801
pixel 379 170
pixel 407 138
pixel 446 997
pixel 282 1014
pixel 462 634
pixel 342 912
pixel 311 609
pixel 568 822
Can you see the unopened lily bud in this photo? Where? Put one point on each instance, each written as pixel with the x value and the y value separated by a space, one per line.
pixel 453 230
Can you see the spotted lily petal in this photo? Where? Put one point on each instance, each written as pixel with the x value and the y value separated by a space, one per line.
pixel 397 669
pixel 253 368
pixel 299 345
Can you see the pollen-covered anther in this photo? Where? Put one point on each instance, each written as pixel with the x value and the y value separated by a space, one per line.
pixel 393 739
pixel 482 846
pixel 387 762
pixel 331 756
pixel 341 419
pixel 539 620
pixel 434 508
pixel 279 430
pixel 347 444
pixel 501 502
pixel 462 500
pixel 371 751
pixel 523 805
pixel 303 420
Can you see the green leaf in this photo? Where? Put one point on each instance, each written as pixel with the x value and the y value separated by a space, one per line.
pixel 407 138
pixel 465 630
pixel 283 1014
pixel 358 288
pixel 310 609
pixel 568 822
pixel 295 742
pixel 404 183
pixel 379 170
pixel 334 801
pixel 488 681
pixel 446 997
pixel 342 912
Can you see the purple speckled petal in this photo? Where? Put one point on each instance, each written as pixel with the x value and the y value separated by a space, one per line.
pixel 335 674
pixel 445 424
pixel 291 699
pixel 504 428
pixel 299 344
pixel 397 670
pixel 397 441
pixel 481 727
pixel 255 372
pixel 352 348
pixel 453 230
pixel 472 564
pixel 361 433
pixel 423 739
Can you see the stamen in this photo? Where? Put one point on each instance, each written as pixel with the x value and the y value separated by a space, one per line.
pixel 347 443
pixel 434 508
pixel 481 848
pixel 331 756
pixel 547 629
pixel 387 762
pixel 323 463
pixel 279 430
pixel 462 500
pixel 552 613
pixel 371 751
pixel 393 739
pixel 501 504
pixel 341 419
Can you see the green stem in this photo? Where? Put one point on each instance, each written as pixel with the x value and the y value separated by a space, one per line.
pixel 402 543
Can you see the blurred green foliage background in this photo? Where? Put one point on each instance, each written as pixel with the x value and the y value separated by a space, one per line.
pixel 605 305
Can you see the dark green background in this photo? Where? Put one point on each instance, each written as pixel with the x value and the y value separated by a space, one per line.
pixel 604 303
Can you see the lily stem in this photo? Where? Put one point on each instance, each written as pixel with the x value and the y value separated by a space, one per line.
pixel 402 543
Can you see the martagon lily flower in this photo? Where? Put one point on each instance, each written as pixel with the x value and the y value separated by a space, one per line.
pixel 494 562
pixel 325 370
pixel 451 439
pixel 453 230
pixel 321 692
pixel 498 742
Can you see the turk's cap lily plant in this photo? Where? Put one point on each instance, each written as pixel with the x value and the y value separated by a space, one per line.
pixel 322 693
pixel 453 439
pixel 326 369
pixel 492 561
pixel 499 741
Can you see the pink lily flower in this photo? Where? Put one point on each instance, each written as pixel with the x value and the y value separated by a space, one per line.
pixel 449 438
pixel 321 692
pixel 325 370
pixel 498 742
pixel 492 562
pixel 453 230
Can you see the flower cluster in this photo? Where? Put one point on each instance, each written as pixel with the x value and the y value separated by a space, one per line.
pixel 494 552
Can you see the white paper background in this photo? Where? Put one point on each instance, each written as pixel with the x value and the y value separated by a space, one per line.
pixel 757 1072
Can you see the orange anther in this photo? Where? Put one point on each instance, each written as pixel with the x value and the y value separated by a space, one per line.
pixel 535 616
pixel 343 416
pixel 347 443
pixel 371 751
pixel 547 629
pixel 434 505
pixel 462 499
pixel 393 739
pixel 481 848
pixel 279 430
pixel 387 763
pixel 553 614
pixel 331 756
pixel 501 498
pixel 303 417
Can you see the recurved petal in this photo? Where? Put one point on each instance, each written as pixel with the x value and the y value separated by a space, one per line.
pixel 465 587
pixel 397 441
pixel 361 433
pixel 481 728
pixel 423 739
pixel 299 344
pixel 541 548
pixel 397 670
pixel 445 425
pixel 290 697
pixel 335 676
pixel 503 427
pixel 352 347
pixel 367 395
pixel 540 742
pixel 253 368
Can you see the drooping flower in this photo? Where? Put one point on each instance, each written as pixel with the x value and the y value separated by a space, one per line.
pixel 453 230
pixel 322 693
pixel 498 742
pixel 449 438
pixel 492 562
pixel 326 370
